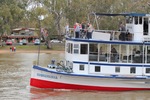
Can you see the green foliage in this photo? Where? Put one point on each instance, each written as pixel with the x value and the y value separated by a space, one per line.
pixel 14 13
pixel 10 15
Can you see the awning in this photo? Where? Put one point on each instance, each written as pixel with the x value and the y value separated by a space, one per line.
pixel 121 14
pixel 20 29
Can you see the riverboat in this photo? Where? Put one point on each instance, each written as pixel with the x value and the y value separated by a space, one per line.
pixel 108 61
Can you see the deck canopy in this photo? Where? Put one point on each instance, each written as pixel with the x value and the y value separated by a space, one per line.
pixel 122 14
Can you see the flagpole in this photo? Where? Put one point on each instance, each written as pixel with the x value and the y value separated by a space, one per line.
pixel 40 35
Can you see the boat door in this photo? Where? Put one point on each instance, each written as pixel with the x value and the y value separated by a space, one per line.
pixel 145 27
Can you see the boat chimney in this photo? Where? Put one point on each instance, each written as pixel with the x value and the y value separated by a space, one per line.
pixel 52 62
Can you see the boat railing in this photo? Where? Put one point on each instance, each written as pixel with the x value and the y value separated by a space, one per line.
pixel 114 35
pixel 62 68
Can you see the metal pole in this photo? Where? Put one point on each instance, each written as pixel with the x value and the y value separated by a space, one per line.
pixel 38 61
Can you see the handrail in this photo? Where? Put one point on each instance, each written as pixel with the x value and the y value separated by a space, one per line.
pixel 114 34
pixel 94 20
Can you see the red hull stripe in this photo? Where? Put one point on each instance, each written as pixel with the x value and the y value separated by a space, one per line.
pixel 47 84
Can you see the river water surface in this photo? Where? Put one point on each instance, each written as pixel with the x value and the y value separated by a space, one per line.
pixel 15 71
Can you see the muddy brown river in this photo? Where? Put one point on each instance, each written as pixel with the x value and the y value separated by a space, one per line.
pixel 15 71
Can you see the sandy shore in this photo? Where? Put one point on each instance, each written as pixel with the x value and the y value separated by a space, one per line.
pixel 30 51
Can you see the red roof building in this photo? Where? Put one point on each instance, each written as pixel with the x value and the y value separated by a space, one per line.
pixel 29 34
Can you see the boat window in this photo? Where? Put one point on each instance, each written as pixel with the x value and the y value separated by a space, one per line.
pixel 103 52
pixel 84 49
pixel 68 47
pixel 140 20
pixel 81 67
pixel 97 68
pixel 129 19
pixel 117 69
pixel 114 53
pixel 147 56
pixel 124 55
pixel 147 70
pixel 76 49
pixel 136 20
pixel 71 46
pixel 130 54
pixel 145 26
pixel 135 54
pixel 93 53
pixel 132 70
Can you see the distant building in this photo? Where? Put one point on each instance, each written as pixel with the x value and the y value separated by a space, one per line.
pixel 17 34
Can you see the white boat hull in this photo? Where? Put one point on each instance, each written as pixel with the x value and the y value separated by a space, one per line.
pixel 44 78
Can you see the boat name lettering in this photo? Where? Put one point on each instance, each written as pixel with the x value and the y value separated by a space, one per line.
pixel 47 76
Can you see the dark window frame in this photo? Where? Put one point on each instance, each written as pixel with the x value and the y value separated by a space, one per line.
pixel 97 68
pixel 84 49
pixel 132 70
pixel 136 20
pixel 147 70
pixel 76 48
pixel 117 69
pixel 81 67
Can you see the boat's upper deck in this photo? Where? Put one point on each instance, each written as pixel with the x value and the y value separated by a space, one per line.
pixel 135 27
pixel 105 35
pixel 132 44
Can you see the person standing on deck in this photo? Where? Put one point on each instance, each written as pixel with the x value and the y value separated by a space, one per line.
pixel 67 30
pixel 123 33
pixel 90 29
pixel 83 31
pixel 77 30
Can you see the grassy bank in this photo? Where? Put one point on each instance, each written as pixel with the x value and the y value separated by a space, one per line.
pixel 57 46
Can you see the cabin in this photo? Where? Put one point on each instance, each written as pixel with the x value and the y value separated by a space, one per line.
pixel 139 26
pixel 104 54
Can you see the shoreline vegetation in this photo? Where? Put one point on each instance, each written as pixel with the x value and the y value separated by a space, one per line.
pixel 56 48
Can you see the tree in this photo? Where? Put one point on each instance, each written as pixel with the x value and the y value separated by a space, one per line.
pixel 10 15
pixel 16 13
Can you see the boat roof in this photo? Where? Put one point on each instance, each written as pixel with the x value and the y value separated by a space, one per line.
pixel 121 14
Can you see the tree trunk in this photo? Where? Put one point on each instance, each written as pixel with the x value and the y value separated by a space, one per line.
pixel 49 45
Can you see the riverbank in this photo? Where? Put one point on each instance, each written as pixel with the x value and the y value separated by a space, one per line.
pixel 56 48
pixel 30 51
